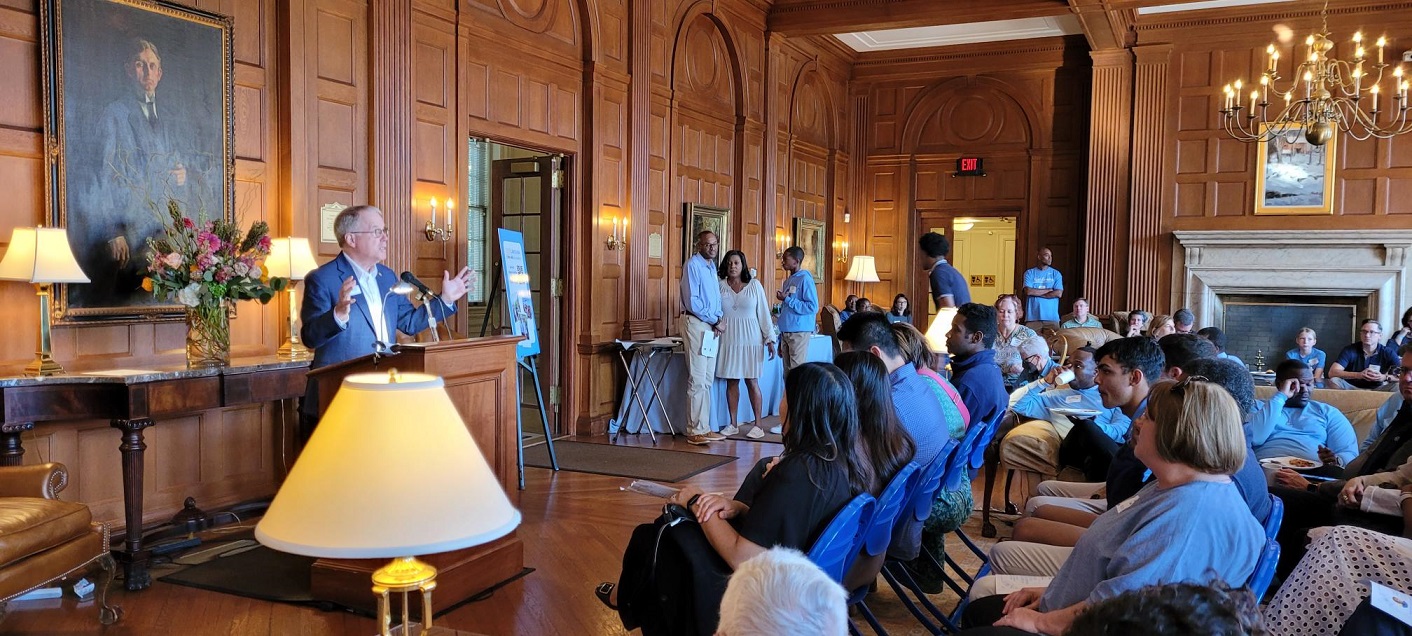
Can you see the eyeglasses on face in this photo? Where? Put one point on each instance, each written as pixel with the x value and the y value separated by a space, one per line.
pixel 382 231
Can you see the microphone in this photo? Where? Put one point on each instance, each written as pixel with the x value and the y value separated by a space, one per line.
pixel 408 278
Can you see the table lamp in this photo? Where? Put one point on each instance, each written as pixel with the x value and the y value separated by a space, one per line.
pixel 291 258
pixel 936 332
pixel 41 255
pixel 390 472
pixel 864 269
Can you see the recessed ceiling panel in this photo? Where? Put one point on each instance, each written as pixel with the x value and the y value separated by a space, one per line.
pixel 999 30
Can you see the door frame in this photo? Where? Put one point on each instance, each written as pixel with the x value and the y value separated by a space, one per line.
pixel 926 218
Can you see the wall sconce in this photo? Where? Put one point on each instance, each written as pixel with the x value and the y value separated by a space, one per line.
pixel 781 244
pixel 618 239
pixel 842 251
pixel 435 232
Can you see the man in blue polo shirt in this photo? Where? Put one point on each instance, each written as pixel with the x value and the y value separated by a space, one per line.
pixel 1364 364
pixel 1043 287
pixel 1290 424
pixel 948 286
pixel 799 302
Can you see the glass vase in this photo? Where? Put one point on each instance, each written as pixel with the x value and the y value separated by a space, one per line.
pixel 208 335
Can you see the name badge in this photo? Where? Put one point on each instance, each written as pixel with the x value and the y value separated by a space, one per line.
pixel 1073 399
pixel 1127 503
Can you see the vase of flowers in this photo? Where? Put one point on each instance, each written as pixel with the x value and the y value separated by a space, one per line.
pixel 206 266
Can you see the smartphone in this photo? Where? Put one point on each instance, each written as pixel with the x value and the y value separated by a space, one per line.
pixel 1375 368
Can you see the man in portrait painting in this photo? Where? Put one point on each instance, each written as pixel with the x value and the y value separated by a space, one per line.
pixel 145 164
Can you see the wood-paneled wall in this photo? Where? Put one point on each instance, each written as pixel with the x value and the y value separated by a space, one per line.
pixel 1021 106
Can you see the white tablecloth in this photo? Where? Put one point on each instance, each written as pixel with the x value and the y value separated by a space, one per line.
pixel 673 386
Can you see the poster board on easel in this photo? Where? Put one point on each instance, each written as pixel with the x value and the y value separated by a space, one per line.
pixel 519 302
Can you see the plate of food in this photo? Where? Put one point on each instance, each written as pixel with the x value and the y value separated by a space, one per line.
pixel 1295 463
pixel 1075 412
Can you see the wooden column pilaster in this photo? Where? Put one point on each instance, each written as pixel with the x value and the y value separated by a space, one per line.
pixel 1110 154
pixel 1146 244
pixel 390 38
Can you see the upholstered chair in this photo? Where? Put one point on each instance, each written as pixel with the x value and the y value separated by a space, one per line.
pixel 44 540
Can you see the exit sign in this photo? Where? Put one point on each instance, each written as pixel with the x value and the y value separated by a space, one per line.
pixel 969 167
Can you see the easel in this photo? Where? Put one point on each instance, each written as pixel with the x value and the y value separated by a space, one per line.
pixel 528 363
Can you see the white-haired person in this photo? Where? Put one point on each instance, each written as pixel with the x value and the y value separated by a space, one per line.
pixel 781 592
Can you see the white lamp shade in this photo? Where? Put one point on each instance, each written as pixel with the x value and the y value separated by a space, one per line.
pixel 936 332
pixel 863 270
pixel 41 255
pixel 290 258
pixel 390 471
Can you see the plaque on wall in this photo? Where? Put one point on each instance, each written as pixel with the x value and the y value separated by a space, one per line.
pixel 654 245
pixel 327 214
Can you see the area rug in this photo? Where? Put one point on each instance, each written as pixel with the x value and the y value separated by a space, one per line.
pixel 270 575
pixel 625 461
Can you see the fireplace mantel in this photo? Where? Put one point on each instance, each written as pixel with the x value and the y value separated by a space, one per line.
pixel 1369 264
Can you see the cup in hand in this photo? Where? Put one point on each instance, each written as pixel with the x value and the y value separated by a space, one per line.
pixel 1066 376
pixel 1375 368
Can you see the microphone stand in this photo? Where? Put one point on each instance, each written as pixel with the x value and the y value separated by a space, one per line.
pixel 431 315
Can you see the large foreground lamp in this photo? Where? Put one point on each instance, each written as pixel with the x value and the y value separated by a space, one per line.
pixel 390 472
pixel 41 255
pixel 293 259
pixel 936 332
pixel 864 269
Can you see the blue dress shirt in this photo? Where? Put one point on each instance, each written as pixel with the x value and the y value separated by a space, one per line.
pixel 701 290
pixel 801 303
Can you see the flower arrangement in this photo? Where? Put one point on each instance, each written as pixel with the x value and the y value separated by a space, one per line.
pixel 205 265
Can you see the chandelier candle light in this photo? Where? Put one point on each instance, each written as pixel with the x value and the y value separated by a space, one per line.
pixel 1359 97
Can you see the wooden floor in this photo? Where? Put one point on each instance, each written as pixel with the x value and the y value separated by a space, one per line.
pixel 575 528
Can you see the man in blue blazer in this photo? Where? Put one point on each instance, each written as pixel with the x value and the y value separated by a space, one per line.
pixel 348 310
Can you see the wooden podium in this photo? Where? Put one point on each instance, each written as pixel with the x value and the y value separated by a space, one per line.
pixel 480 375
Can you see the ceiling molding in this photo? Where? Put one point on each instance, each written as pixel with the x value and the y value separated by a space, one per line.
pixel 951 35
pixel 1166 21
pixel 828 17
pixel 1201 5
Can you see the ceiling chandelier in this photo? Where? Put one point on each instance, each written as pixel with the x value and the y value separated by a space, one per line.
pixel 1326 93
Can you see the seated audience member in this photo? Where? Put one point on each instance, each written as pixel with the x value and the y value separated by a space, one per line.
pixel 1137 323
pixel 1127 475
pixel 1290 424
pixel 1126 369
pixel 1035 356
pixel 1364 364
pixel 849 304
pixel 973 368
pixel 1311 505
pixel 863 306
pixel 1386 413
pixel 821 469
pixel 901 310
pixel 916 350
pixel 1162 325
pixel 919 402
pixel 782 592
pixel 1218 338
pixel 1037 399
pixel 1322 593
pixel 886 445
pixel 1404 334
pixel 1010 334
pixel 1174 609
pixel 1081 317
pixel 1184 320
pixel 1305 352
pixel 1189 524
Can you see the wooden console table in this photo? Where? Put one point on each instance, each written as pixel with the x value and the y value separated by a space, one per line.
pixel 132 400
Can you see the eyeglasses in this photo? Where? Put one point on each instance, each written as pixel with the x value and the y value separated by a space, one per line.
pixel 382 231
pixel 1398 372
pixel 1180 389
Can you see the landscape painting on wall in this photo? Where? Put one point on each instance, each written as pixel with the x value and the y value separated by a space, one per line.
pixel 1294 176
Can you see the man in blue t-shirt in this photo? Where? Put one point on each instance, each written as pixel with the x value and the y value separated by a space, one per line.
pixel 1043 287
pixel 948 286
pixel 1290 424
pixel 1364 364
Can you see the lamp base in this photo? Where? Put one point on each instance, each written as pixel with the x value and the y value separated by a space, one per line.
pixel 403 575
pixel 43 366
pixel 292 350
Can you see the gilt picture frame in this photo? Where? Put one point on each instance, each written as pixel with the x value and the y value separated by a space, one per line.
pixel 1293 176
pixel 809 235
pixel 139 113
pixel 701 218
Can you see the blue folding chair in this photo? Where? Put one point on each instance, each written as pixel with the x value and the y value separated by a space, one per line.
pixel 920 504
pixel 1276 516
pixel 891 505
pixel 976 457
pixel 1264 569
pixel 837 547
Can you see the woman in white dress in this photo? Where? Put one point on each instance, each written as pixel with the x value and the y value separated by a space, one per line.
pixel 749 336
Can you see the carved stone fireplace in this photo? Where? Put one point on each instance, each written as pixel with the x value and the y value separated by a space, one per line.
pixel 1363 268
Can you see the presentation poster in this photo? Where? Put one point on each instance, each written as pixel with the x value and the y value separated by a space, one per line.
pixel 519 303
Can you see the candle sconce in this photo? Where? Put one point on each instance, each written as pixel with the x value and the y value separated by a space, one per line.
pixel 841 250
pixel 435 232
pixel 618 239
pixel 781 244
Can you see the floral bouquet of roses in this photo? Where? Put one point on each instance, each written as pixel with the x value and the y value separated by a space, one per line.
pixel 204 262
pixel 205 265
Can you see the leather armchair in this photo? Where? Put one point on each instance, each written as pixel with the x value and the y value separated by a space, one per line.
pixel 44 540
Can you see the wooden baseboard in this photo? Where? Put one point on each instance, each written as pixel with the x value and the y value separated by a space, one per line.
pixel 460 575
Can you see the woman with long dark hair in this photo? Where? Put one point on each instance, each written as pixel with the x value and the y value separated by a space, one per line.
pixel 748 338
pixel 901 310
pixel 887 446
pixel 823 467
